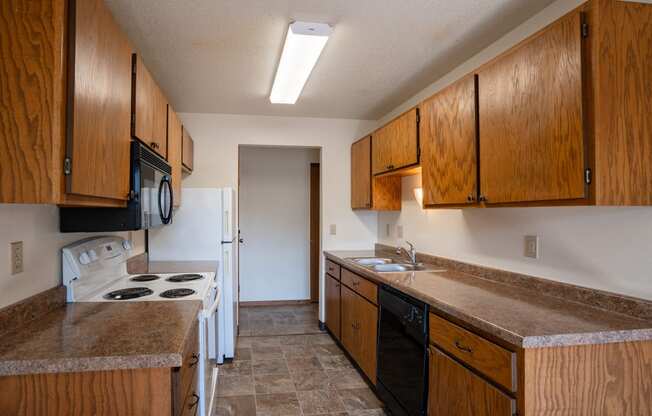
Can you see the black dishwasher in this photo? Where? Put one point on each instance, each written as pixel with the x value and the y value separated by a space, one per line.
pixel 402 353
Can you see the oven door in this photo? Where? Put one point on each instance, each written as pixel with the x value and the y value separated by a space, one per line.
pixel 207 372
pixel 156 197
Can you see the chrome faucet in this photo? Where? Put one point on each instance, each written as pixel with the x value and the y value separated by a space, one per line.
pixel 411 254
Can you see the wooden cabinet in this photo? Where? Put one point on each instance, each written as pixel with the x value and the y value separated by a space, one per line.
pixel 174 153
pixel 359 330
pixel 333 306
pixel 531 127
pixel 57 146
pixel 184 379
pixel 367 191
pixel 448 139
pixel 188 151
pixel 454 390
pixel 396 145
pixel 149 122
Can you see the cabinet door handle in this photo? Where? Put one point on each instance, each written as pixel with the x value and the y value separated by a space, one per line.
pixel 470 198
pixel 154 145
pixel 194 403
pixel 463 347
pixel 482 198
pixel 195 360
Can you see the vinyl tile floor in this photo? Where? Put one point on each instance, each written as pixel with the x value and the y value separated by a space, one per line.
pixel 290 368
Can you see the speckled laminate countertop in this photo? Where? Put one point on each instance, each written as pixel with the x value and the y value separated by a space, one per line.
pixel 93 336
pixel 515 315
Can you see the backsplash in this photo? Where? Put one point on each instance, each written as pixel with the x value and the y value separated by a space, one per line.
pixel 37 226
pixel 606 248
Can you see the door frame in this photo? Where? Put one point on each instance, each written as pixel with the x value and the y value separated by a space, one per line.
pixel 315 237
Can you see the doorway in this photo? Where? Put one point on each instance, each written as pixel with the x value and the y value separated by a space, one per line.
pixel 279 208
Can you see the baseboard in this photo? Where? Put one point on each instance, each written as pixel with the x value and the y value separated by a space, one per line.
pixel 276 303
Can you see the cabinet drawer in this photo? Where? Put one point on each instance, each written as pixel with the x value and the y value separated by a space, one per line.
pixel 360 285
pixel 494 361
pixel 185 377
pixel 333 269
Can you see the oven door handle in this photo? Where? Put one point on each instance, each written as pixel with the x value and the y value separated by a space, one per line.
pixel 207 313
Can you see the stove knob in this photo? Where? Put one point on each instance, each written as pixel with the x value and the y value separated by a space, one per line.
pixel 84 258
pixel 93 255
pixel 126 244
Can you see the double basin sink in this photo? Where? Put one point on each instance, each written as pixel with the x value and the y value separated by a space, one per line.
pixel 387 265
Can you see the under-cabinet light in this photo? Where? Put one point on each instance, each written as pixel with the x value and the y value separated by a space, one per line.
pixel 418 195
pixel 303 45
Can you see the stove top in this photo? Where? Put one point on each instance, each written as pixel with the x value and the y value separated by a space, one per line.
pixel 145 278
pixel 177 293
pixel 186 277
pixel 128 293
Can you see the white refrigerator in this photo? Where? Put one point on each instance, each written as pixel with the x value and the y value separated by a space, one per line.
pixel 204 229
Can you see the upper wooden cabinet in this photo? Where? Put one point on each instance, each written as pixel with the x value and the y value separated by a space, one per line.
pixel 531 126
pixel 149 122
pixel 448 138
pixel 368 192
pixel 396 145
pixel 188 151
pixel 57 146
pixel 174 153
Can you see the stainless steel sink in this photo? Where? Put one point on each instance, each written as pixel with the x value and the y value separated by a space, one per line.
pixel 397 267
pixel 371 261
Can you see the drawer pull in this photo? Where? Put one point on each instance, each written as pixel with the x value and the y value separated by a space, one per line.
pixel 195 360
pixel 463 347
pixel 355 325
pixel 193 404
pixel 355 283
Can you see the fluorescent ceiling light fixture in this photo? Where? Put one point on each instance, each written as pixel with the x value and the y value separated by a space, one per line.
pixel 303 45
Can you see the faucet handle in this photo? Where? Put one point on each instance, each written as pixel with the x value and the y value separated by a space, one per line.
pixel 410 244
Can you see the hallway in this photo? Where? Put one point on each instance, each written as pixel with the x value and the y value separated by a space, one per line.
pixel 285 365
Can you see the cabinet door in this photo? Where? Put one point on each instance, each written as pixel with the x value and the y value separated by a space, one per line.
pixel 98 137
pixel 150 110
pixel 531 124
pixel 174 153
pixel 359 330
pixel 350 338
pixel 454 390
pixel 367 324
pixel 361 174
pixel 188 152
pixel 395 145
pixel 333 306
pixel 448 145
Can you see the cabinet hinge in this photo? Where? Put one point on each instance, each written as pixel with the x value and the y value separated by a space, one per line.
pixel 588 176
pixel 133 119
pixel 585 30
pixel 67 166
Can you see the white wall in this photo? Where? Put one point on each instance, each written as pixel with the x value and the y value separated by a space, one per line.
pixel 600 247
pixel 217 137
pixel 275 223
pixel 38 227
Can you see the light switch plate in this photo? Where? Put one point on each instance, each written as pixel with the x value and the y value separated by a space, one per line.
pixel 531 248
pixel 333 229
pixel 16 257
pixel 387 230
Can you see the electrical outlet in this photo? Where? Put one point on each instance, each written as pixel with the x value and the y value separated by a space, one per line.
pixel 333 229
pixel 16 257
pixel 399 231
pixel 531 246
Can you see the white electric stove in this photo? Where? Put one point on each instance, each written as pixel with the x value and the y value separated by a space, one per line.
pixel 95 270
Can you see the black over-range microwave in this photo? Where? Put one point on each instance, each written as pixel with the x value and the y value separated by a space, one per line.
pixel 150 203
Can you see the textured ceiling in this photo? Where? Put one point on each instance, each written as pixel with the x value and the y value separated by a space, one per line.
pixel 219 56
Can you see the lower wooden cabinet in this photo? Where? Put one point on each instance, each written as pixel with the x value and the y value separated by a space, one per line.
pixel 333 306
pixel 455 390
pixel 359 330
